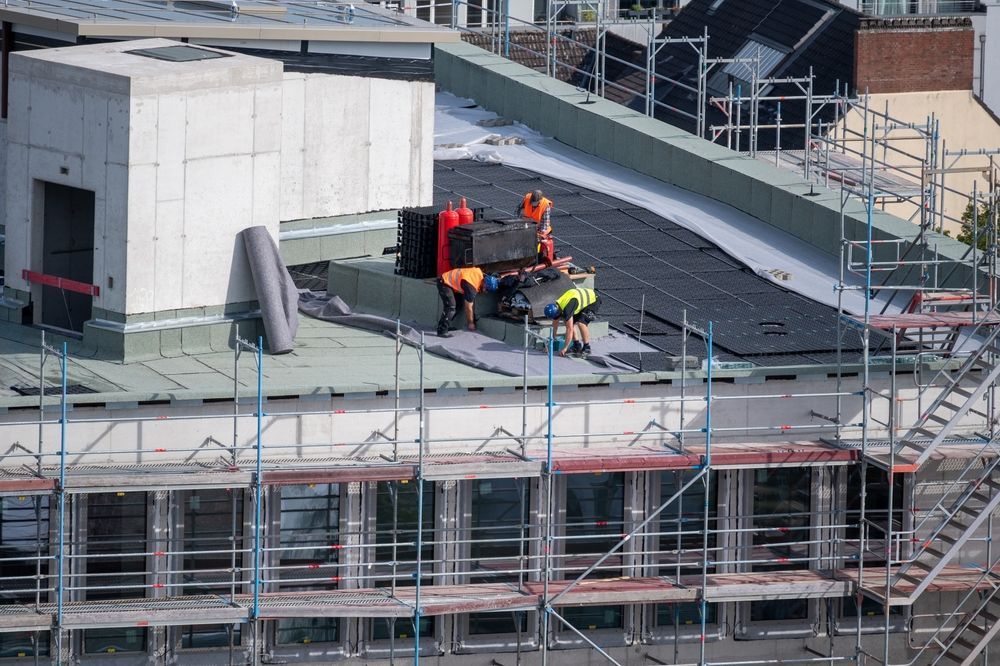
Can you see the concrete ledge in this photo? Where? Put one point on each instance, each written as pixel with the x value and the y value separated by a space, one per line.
pixel 628 138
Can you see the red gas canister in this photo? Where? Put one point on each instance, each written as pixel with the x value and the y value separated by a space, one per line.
pixel 465 214
pixel 447 220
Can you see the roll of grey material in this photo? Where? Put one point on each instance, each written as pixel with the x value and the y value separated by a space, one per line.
pixel 276 292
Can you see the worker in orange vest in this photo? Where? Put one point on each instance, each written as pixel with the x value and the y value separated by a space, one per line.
pixel 536 207
pixel 458 288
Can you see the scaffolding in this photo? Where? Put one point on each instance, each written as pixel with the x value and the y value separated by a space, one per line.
pixel 660 554
pixel 681 565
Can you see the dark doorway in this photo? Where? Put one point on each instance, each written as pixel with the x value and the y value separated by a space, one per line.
pixel 67 252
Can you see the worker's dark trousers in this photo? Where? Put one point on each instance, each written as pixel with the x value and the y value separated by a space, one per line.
pixel 451 300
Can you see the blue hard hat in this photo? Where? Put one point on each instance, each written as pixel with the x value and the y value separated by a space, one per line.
pixel 492 282
pixel 551 310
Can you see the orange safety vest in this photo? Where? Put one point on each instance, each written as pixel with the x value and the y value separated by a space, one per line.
pixel 456 276
pixel 536 212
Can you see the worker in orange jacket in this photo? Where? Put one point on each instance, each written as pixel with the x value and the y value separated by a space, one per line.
pixel 536 207
pixel 458 288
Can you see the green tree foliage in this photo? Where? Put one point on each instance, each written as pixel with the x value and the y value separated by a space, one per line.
pixel 982 223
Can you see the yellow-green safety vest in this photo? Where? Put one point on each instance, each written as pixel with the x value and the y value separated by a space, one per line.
pixel 584 298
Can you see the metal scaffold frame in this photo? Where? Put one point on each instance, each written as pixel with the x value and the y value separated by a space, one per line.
pixel 552 567
pixel 500 25
pixel 942 302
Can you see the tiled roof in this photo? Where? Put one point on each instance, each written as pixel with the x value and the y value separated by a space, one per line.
pixel 817 33
pixel 528 48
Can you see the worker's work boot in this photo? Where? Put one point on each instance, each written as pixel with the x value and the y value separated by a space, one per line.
pixel 585 351
pixel 575 348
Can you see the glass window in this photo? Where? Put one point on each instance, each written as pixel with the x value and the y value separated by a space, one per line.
pixel 781 519
pixel 685 614
pixel 498 518
pixel 24 644
pixel 396 530
pixel 498 623
pixel 499 511
pixel 680 530
pixel 401 628
pixel 305 630
pixel 213 536
pixel 876 501
pixel 591 618
pixel 595 510
pixel 111 641
pixel 310 524
pixel 24 546
pixel 396 525
pixel 116 525
pixel 595 507
pixel 209 635
pixel 681 523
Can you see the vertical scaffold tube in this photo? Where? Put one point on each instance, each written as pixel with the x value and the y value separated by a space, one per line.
pixel 60 554
pixel 258 486
pixel 420 513
pixel 706 463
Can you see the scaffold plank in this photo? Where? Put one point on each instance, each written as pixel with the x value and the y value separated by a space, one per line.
pixel 26 486
pixel 929 320
pixel 340 473
pixel 185 480
pixel 16 618
pixel 470 598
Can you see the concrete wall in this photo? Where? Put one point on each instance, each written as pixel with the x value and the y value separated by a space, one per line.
pixel 890 55
pixel 352 145
pixel 612 132
pixel 181 157
pixel 3 170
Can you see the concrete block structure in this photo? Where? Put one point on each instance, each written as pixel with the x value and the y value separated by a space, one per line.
pixel 133 173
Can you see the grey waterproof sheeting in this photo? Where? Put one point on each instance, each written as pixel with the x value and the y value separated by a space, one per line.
pixel 276 292
pixel 468 347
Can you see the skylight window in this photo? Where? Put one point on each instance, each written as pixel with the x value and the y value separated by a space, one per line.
pixel 770 58
pixel 179 53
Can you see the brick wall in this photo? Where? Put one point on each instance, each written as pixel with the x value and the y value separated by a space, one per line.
pixel 914 54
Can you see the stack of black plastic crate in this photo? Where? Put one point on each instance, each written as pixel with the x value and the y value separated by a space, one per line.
pixel 417 239
pixel 416 236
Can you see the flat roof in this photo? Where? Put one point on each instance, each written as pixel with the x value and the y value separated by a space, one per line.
pixel 255 20
pixel 652 274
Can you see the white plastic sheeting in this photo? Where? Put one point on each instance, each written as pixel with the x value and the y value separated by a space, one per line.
pixel 759 245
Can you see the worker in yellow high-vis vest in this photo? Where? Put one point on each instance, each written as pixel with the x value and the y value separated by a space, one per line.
pixel 577 307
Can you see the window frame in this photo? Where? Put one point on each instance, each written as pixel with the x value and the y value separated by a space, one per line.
pixel 466 642
pixel 656 634
pixel 346 626
pixel 747 629
pixel 83 503
pixel 842 624
pixel 380 648
pixel 176 542
pixel 560 637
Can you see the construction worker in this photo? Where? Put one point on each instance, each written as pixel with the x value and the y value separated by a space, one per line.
pixel 577 307
pixel 458 288
pixel 536 207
